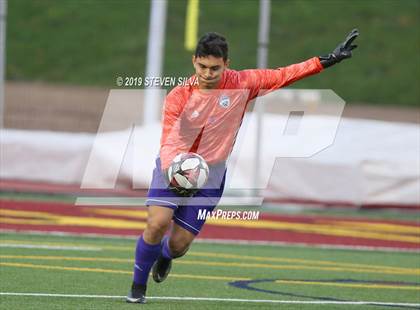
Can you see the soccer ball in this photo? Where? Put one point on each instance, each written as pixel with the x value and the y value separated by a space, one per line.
pixel 188 171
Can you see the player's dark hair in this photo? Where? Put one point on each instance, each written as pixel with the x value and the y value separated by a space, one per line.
pixel 213 44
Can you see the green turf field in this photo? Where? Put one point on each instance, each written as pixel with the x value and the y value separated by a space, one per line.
pixel 102 266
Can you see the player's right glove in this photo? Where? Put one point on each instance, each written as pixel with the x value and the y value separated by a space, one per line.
pixel 183 192
pixel 179 191
pixel 342 51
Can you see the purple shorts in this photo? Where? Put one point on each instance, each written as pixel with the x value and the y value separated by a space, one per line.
pixel 188 211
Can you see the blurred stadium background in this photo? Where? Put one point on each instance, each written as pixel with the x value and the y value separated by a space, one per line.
pixel 63 58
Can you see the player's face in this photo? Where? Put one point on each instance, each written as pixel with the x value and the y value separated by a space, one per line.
pixel 209 70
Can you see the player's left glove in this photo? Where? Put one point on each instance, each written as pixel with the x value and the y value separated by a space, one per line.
pixel 342 51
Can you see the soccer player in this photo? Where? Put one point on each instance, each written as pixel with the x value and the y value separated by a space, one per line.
pixel 204 118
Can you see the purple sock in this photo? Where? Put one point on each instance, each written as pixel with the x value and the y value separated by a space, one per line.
pixel 146 254
pixel 166 252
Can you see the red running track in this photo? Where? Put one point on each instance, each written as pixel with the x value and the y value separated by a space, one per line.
pixel 290 229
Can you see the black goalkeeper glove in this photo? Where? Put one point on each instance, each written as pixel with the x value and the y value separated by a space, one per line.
pixel 183 192
pixel 180 191
pixel 342 51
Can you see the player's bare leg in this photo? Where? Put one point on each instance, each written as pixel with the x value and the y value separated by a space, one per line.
pixel 158 221
pixel 180 240
pixel 147 250
pixel 174 246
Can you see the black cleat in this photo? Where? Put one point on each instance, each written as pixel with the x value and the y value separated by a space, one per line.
pixel 161 269
pixel 137 294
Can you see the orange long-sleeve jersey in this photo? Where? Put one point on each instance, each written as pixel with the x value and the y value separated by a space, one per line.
pixel 207 121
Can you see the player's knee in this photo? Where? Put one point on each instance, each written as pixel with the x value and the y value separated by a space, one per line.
pixel 156 229
pixel 178 248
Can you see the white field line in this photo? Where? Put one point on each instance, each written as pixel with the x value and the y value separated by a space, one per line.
pixel 311 302
pixel 224 241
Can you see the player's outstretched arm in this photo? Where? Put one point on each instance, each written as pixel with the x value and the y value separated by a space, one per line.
pixel 342 51
pixel 269 80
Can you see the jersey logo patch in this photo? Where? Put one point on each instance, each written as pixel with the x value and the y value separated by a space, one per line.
pixel 195 114
pixel 224 101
